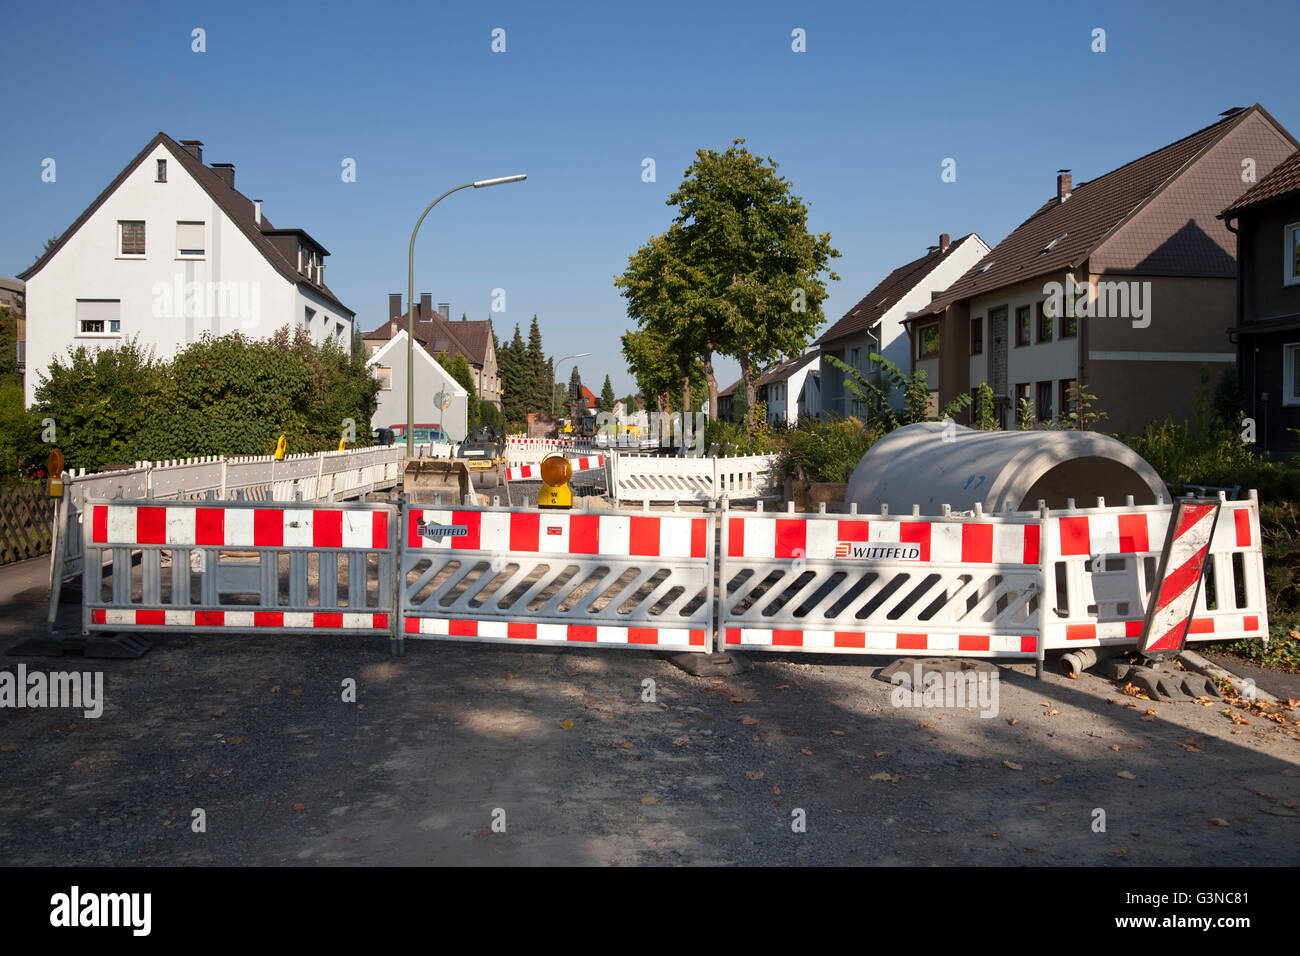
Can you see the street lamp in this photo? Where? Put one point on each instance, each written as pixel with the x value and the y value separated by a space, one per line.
pixel 410 303
pixel 557 368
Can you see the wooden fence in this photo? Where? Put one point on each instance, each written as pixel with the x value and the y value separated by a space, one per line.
pixel 26 522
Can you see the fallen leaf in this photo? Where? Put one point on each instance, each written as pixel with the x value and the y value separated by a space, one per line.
pixel 275 689
pixel 626 745
pixel 649 800
pixel 482 832
pixel 1052 713
pixel 510 677
pixel 236 741
pixel 1046 780
pixel 220 713
pixel 295 693
pixel 681 741
pixel 1030 849
pixel 1012 766
pixel 927 725
pixel 1288 772
pixel 782 686
pixel 880 753
pixel 566 724
pixel 1115 747
pixel 300 806
pixel 1219 822
pixel 749 721
pixel 754 775
pixel 1126 775
pixel 805 751
pixel 1013 721
pixel 1265 794
pixel 717 682
pixel 1119 851
pixel 737 700
pixel 838 733
pixel 1150 712
pixel 8 748
pixel 776 791
pixel 882 776
pixel 573 673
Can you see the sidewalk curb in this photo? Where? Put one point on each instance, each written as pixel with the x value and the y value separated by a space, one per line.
pixel 1210 669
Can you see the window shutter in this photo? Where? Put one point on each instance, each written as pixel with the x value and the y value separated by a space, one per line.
pixel 189 238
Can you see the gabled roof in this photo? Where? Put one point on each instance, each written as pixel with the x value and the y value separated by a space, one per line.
pixel 469 337
pixel 781 372
pixel 232 202
pixel 1283 181
pixel 592 400
pixel 889 292
pixel 399 340
pixel 1062 234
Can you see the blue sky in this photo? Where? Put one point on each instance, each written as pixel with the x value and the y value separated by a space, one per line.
pixel 860 124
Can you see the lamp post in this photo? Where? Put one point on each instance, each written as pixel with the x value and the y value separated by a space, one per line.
pixel 557 368
pixel 410 303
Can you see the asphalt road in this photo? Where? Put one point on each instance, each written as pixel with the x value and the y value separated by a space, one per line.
pixel 560 747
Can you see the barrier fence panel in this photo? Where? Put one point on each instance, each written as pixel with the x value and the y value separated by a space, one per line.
pixel 289 567
pixel 1102 570
pixel 880 584
pixel 700 480
pixel 557 577
pixel 524 482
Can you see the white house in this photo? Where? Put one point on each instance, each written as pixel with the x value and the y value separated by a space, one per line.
pixel 169 251
pixel 434 388
pixel 875 324
pixel 792 390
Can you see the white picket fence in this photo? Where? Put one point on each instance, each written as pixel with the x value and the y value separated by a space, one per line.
pixel 701 480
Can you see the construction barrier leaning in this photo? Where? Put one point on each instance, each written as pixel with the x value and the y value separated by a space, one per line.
pixel 288 567
pixel 585 480
pixel 524 451
pixel 557 577
pixel 700 480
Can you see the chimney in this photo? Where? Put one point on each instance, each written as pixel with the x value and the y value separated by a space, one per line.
pixel 257 210
pixel 945 241
pixel 426 307
pixel 225 172
pixel 194 147
pixel 444 310
pixel 1064 185
pixel 394 304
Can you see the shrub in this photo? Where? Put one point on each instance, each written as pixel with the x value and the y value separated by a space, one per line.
pixel 824 449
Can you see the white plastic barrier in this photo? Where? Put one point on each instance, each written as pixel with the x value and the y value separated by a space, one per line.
pixel 526 451
pixel 974 585
pixel 700 480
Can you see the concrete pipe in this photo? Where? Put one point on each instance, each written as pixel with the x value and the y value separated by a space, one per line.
pixel 933 464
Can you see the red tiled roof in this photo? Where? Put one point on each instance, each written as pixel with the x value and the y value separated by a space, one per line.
pixel 887 294
pixel 1093 212
pixel 1284 180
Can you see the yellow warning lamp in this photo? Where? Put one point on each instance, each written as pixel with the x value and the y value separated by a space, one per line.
pixel 556 472
pixel 54 474
pixel 280 447
pixel 343 444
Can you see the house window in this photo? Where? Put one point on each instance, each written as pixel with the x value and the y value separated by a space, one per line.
pixel 99 316
pixel 189 240
pixel 855 356
pixel 1070 324
pixel 338 331
pixel 162 171
pixel 1044 324
pixel 927 341
pixel 932 404
pixel 1291 269
pixel 1043 403
pixel 1022 325
pixel 977 336
pixel 1022 396
pixel 307 316
pixel 1066 403
pixel 385 376
pixel 130 235
pixel 1291 374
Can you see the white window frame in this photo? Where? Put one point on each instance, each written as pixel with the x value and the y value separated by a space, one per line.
pixel 1290 356
pixel 385 381
pixel 120 238
pixel 109 332
pixel 920 342
pixel 1289 240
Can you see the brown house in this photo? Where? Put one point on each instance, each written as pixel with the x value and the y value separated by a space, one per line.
pixel 1125 283
pixel 437 333
pixel 1267 332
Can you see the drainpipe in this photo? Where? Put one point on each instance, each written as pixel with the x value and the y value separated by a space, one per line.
pixel 1254 355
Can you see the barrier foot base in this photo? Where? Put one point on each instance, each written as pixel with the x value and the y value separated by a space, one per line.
pixel 933 665
pixel 128 646
pixel 712 665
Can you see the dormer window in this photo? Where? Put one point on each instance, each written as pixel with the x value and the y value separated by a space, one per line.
pixel 161 177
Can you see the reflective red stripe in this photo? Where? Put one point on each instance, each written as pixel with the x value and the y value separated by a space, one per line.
pixel 327 529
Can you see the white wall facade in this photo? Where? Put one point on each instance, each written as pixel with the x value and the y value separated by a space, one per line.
pixel 166 299
pixel 430 378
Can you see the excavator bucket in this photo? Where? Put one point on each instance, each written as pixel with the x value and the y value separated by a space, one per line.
pixel 426 478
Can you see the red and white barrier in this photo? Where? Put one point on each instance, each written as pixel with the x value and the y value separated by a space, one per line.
pixel 534 472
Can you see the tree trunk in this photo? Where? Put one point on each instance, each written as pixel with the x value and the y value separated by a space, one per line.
pixel 710 380
pixel 747 373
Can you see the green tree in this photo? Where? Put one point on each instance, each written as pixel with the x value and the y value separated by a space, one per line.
pixel 516 380
pixel 607 399
pixel 747 235
pixel 541 372
pixel 576 402
pixel 458 367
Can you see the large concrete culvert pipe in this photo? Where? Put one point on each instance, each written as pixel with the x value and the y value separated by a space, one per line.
pixel 998 470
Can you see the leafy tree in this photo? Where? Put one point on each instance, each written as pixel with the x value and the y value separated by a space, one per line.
pixel 459 369
pixel 746 236
pixel 489 414
pixel 985 418
pixel 1081 414
pixel 649 356
pixel 607 396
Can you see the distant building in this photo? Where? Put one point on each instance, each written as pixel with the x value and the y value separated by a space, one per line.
pixel 13 298
pixel 441 403
pixel 438 333
pixel 170 250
